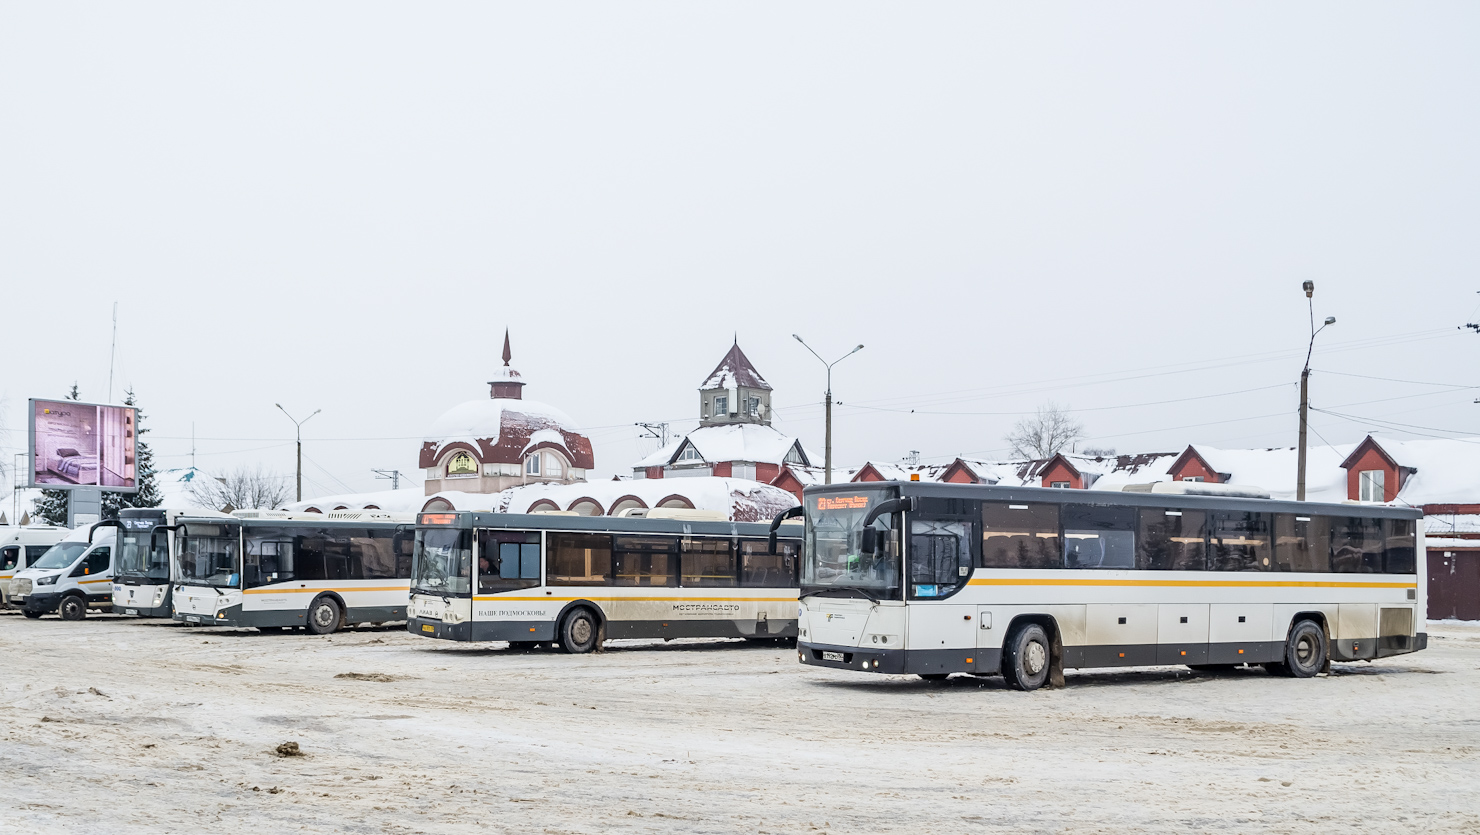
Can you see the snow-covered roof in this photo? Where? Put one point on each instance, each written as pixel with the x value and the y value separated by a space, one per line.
pixel 500 430
pixel 1451 524
pixel 404 500
pixel 741 500
pixel 735 371
pixel 754 442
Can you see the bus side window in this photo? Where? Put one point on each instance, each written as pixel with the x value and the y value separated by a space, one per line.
pixel 1172 540
pixel 1020 535
pixel 579 559
pixel 34 552
pixel 9 557
pixel 1239 541
pixel 1356 545
pixel 1399 555
pixel 405 542
pixel 761 569
pixel 375 553
pixel 1099 537
pixel 1302 543
pixel 707 562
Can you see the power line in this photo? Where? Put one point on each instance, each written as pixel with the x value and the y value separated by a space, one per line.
pixel 1089 409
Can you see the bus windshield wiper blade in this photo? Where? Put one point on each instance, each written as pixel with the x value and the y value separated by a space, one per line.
pixel 826 591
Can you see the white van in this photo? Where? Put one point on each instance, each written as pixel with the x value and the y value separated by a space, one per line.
pixel 71 577
pixel 21 546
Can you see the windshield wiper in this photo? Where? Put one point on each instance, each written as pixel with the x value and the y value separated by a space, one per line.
pixel 865 593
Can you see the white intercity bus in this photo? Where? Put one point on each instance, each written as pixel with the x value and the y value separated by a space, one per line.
pixel 275 570
pixel 578 581
pixel 141 579
pixel 934 579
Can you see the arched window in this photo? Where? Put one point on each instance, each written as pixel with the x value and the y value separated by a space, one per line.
pixel 532 464
pixel 462 465
pixel 554 467
pixel 586 507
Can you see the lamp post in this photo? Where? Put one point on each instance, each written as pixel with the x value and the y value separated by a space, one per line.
pixel 298 429
pixel 1310 289
pixel 828 400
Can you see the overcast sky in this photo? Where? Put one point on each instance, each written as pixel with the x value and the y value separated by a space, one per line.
pixel 342 206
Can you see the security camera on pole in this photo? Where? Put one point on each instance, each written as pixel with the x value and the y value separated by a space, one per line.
pixel 1310 289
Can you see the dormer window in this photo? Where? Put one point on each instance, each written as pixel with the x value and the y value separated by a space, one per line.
pixel 532 464
pixel 1370 484
pixel 795 457
pixel 690 454
pixel 1061 485
pixel 1192 478
pixel 462 465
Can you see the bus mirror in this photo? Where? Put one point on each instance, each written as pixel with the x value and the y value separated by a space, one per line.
pixel 870 544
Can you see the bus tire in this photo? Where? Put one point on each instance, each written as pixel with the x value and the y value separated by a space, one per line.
pixel 31 614
pixel 1027 657
pixel 73 607
pixel 323 616
pixel 579 632
pixel 1305 651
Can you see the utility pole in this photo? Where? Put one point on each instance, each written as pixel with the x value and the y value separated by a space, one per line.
pixel 658 431
pixel 1310 289
pixel 298 427
pixel 827 400
pixel 394 475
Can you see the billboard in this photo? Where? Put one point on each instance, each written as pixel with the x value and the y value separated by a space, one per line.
pixel 83 445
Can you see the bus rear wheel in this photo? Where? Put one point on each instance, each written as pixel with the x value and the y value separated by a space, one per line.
pixel 1305 651
pixel 323 616
pixel 579 632
pixel 72 608
pixel 1026 657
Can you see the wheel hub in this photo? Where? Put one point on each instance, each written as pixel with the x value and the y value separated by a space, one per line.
pixel 580 631
pixel 1034 658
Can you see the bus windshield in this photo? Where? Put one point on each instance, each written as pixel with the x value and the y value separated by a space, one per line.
pixel 209 555
pixel 143 555
pixel 442 561
pixel 834 560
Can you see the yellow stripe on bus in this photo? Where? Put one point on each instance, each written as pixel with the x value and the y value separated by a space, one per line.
pixel 1191 583
pixel 647 599
pixel 281 590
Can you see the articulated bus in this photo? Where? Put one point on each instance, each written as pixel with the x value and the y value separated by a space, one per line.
pixel 275 570
pixel 141 577
pixel 578 581
pixel 935 579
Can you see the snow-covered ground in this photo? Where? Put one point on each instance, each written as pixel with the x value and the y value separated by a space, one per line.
pixel 113 725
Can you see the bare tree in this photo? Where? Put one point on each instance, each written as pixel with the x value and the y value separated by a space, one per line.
pixel 241 489
pixel 1048 431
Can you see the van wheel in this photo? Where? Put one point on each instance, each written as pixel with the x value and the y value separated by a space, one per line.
pixel 72 608
pixel 1305 651
pixel 1026 657
pixel 323 616
pixel 579 632
pixel 30 614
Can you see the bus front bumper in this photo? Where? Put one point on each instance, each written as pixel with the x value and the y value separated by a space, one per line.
pixel 230 616
pixel 428 628
pixel 900 661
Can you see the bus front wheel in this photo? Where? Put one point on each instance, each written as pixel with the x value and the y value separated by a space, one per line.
pixel 72 608
pixel 323 616
pixel 1026 657
pixel 579 632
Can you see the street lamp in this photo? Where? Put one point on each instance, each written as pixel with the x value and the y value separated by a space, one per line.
pixel 1310 289
pixel 298 428
pixel 828 400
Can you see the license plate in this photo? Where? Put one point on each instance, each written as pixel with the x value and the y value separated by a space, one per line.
pixel 427 627
pixel 832 656
pixel 192 619
pixel 130 611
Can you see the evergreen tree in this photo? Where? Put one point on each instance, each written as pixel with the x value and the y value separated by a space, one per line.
pixel 148 495
pixel 51 508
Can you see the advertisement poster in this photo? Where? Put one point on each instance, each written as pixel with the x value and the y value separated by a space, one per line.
pixel 83 445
